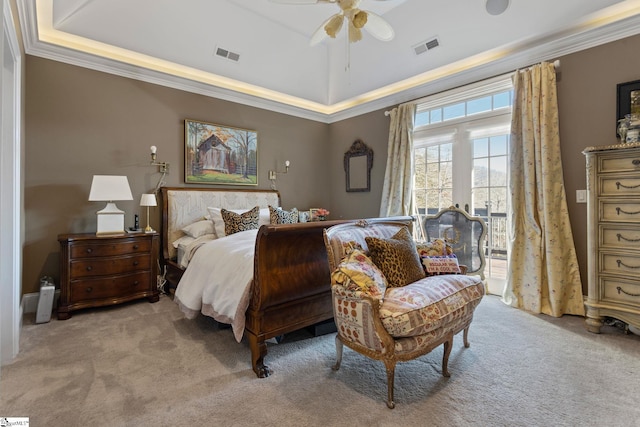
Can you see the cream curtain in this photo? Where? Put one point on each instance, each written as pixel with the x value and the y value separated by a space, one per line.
pixel 543 275
pixel 397 197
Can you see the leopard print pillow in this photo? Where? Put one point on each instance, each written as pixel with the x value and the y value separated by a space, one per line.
pixel 397 257
pixel 234 222
pixel 280 216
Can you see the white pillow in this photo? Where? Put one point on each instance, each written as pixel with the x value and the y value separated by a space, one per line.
pixel 199 228
pixel 184 240
pixel 218 222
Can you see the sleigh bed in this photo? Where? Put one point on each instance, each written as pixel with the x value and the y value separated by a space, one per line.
pixel 290 287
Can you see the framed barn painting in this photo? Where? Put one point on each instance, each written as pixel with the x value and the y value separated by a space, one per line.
pixel 216 154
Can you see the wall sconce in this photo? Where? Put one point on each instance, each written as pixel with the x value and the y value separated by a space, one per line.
pixel 273 175
pixel 163 167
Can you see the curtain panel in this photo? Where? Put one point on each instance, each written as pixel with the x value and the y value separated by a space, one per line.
pixel 543 274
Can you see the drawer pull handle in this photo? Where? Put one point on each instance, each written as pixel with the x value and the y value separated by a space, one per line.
pixel 89 268
pixel 135 247
pixel 135 283
pixel 630 187
pixel 89 250
pixel 635 162
pixel 621 237
pixel 620 263
pixel 626 212
pixel 135 263
pixel 89 289
pixel 622 291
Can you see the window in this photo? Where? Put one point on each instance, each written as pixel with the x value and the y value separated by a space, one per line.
pixel 461 149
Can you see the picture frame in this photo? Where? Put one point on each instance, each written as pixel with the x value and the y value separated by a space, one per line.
pixel 217 154
pixel 624 95
pixel 304 216
pixel 313 214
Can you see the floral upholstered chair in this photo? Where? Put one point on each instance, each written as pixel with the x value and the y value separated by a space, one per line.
pixel 385 306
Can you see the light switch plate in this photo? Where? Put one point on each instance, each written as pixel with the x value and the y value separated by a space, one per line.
pixel 581 196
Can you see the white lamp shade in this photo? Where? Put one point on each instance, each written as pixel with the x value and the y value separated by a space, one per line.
pixel 148 200
pixel 106 188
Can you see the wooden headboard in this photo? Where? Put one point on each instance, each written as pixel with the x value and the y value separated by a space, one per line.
pixel 183 206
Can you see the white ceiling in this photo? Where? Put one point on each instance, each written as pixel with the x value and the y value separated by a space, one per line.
pixel 173 42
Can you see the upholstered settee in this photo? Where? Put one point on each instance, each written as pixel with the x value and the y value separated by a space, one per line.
pixel 385 306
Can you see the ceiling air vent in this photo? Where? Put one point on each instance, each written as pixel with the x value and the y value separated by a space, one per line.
pixel 227 54
pixel 425 46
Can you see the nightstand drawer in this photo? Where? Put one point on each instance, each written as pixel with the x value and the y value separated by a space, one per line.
pixel 115 265
pixel 619 163
pixel 621 291
pixel 111 287
pixel 124 247
pixel 620 186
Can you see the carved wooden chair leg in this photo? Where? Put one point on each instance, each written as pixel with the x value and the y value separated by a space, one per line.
pixel 465 337
pixel 391 369
pixel 339 347
pixel 445 357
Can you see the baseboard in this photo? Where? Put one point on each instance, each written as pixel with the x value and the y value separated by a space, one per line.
pixel 30 301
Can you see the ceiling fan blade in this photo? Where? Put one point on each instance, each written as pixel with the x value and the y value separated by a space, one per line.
pixel 378 27
pixel 321 33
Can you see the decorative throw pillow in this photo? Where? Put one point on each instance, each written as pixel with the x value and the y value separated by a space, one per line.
pixel 357 272
pixel 397 257
pixel 436 265
pixel 199 228
pixel 280 216
pixel 437 247
pixel 235 222
pixel 215 215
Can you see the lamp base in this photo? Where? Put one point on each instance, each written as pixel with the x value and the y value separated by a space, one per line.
pixel 110 221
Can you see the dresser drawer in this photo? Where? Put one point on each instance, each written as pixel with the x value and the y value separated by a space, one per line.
pixel 621 264
pixel 616 236
pixel 121 247
pixel 619 186
pixel 617 164
pixel 90 267
pixel 619 211
pixel 620 291
pixel 112 287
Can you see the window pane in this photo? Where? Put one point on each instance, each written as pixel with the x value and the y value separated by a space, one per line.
pixel 501 100
pixel 422 118
pixel 446 152
pixel 433 154
pixel 499 145
pixel 481 172
pixel 480 198
pixel 479 105
pixel 446 174
pixel 453 111
pixel 436 115
pixel 432 204
pixel 498 200
pixel 498 173
pixel 480 147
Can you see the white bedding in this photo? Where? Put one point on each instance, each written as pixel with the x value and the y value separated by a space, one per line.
pixel 217 281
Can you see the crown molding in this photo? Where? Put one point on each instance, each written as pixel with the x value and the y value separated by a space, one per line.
pixel 510 57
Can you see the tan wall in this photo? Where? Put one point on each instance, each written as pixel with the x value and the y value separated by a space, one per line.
pixel 80 123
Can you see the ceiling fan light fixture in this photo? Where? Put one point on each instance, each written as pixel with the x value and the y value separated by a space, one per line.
pixel 333 27
pixel 360 19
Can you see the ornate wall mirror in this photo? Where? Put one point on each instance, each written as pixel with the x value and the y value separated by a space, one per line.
pixel 358 162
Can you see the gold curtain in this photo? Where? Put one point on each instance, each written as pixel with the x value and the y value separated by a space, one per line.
pixel 543 274
pixel 397 197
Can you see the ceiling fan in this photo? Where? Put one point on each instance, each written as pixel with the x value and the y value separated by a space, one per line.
pixel 356 20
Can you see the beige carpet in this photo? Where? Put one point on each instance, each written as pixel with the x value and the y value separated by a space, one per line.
pixel 143 364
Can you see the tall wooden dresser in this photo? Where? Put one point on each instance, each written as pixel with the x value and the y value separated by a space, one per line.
pixel 613 222
pixel 97 271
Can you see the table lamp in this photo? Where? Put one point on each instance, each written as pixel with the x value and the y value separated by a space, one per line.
pixel 108 188
pixel 148 200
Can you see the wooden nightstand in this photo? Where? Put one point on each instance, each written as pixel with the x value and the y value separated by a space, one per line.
pixel 98 271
